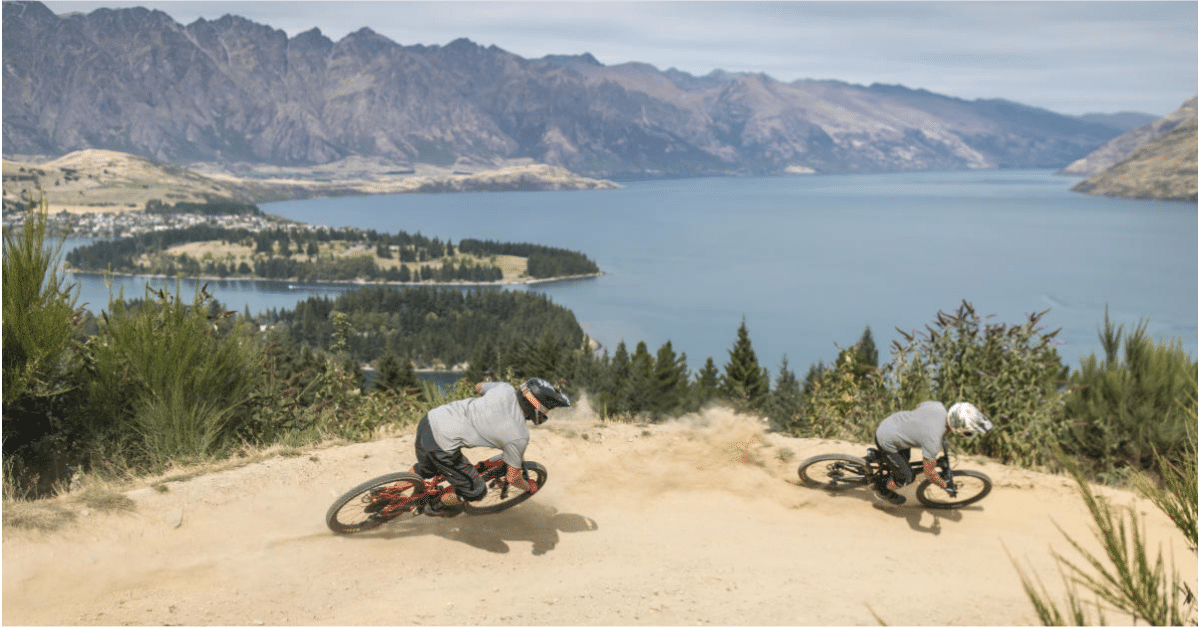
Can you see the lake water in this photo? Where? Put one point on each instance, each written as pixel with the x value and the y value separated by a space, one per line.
pixel 809 262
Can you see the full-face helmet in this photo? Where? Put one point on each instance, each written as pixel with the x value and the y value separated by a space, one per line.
pixel 539 397
pixel 967 420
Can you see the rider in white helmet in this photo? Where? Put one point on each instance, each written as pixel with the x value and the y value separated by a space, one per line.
pixel 495 419
pixel 924 428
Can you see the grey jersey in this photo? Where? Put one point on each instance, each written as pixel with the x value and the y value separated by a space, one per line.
pixel 494 419
pixel 922 428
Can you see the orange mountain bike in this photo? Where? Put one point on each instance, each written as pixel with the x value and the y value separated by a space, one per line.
pixel 403 495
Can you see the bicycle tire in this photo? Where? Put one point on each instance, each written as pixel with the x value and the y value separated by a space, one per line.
pixel 833 471
pixel 500 496
pixel 972 486
pixel 355 511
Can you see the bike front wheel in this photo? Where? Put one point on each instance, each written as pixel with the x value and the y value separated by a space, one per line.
pixel 500 494
pixel 375 502
pixel 971 486
pixel 833 471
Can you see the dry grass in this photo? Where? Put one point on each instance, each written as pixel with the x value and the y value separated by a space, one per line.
pixel 46 516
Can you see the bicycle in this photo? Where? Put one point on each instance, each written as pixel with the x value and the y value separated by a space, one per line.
pixel 835 471
pixel 403 495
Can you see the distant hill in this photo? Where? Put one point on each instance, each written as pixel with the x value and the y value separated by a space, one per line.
pixel 1126 144
pixel 109 181
pixel 243 98
pixel 1164 168
pixel 1121 121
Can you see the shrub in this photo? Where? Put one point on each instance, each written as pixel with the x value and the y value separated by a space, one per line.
pixel 1011 372
pixel 167 382
pixel 1123 413
pixel 39 322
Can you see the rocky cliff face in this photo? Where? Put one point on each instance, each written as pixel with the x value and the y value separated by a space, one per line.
pixel 1161 168
pixel 234 92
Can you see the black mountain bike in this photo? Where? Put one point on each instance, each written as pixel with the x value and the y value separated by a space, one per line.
pixel 835 472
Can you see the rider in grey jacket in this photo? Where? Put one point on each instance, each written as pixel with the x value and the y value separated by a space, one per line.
pixel 924 428
pixel 496 419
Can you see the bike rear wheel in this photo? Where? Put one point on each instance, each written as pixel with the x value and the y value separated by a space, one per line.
pixel 373 503
pixel 971 487
pixel 500 495
pixel 833 471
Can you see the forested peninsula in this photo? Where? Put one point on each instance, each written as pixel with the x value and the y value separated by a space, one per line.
pixel 302 253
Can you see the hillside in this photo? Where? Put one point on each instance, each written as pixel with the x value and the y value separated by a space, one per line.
pixel 1128 143
pixel 692 522
pixel 236 96
pixel 1164 168
pixel 94 180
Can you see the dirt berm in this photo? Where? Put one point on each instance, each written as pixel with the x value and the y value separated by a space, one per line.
pixel 697 521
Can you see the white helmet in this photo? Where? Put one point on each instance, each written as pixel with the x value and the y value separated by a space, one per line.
pixel 967 420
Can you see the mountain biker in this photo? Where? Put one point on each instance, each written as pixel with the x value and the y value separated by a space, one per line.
pixel 496 419
pixel 922 427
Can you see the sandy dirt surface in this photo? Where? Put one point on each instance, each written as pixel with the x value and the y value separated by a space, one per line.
pixel 698 521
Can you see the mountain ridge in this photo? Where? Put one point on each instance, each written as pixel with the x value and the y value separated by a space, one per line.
pixel 1164 167
pixel 233 94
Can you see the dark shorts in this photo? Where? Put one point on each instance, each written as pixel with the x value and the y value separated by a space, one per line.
pixel 433 461
pixel 898 462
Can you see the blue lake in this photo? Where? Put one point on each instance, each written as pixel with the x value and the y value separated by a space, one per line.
pixel 809 262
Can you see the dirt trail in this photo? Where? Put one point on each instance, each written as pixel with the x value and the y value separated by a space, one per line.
pixel 696 521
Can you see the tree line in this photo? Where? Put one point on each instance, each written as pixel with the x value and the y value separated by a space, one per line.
pixel 306 254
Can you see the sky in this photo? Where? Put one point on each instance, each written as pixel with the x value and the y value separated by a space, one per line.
pixel 1071 57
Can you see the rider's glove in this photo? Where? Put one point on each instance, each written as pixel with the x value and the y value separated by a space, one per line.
pixel 533 487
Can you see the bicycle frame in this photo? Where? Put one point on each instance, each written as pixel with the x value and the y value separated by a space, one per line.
pixel 879 466
pixel 395 502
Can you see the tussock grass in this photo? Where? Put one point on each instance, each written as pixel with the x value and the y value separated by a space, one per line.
pixel 46 516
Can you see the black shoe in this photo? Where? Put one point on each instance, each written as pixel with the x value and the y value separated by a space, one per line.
pixel 889 496
pixel 437 508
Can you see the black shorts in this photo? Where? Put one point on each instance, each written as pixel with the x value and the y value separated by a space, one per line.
pixel 433 461
pixel 898 462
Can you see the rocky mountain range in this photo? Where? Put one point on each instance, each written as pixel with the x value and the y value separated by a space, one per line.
pixel 233 95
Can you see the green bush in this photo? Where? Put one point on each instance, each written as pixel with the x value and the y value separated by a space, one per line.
pixel 845 402
pixel 1011 372
pixel 40 323
pixel 167 381
pixel 1125 409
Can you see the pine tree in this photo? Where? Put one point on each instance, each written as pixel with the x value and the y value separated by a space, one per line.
pixel 669 382
pixel 707 383
pixel 867 353
pixel 813 377
pixel 639 389
pixel 544 357
pixel 744 382
pixel 784 401
pixel 617 402
pixel 483 361
pixel 408 379
pixel 387 372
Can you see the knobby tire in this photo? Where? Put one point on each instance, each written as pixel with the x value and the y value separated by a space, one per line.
pixel 972 486
pixel 355 511
pixel 833 471
pixel 500 495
